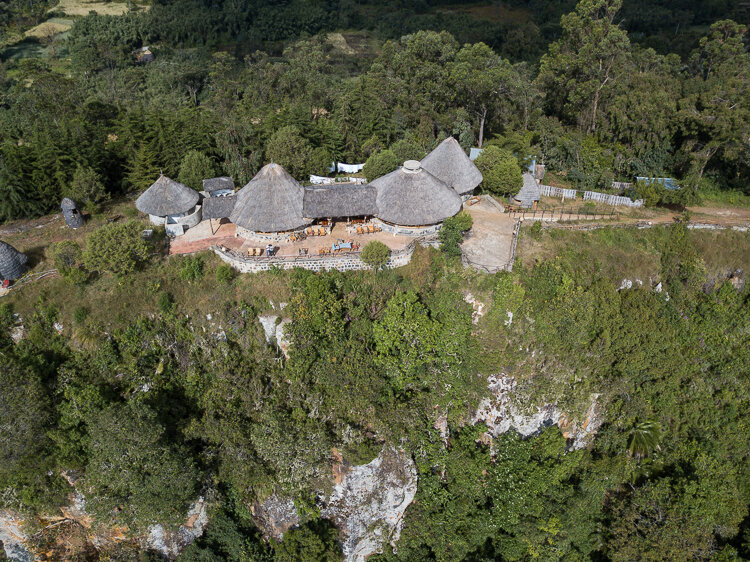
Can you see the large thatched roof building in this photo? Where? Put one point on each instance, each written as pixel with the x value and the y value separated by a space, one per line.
pixel 450 163
pixel 333 201
pixel 412 196
pixel 270 202
pixel 530 193
pixel 167 197
pixel 12 262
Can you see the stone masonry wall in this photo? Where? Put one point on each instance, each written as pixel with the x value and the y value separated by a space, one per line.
pixel 408 230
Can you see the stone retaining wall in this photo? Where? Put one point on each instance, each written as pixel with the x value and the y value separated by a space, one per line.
pixel 282 237
pixel 408 230
pixel 342 262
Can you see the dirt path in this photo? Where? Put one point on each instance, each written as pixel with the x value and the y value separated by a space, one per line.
pixel 489 243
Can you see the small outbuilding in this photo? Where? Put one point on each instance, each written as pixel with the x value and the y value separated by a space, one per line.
pixel 12 262
pixel 412 197
pixel 269 205
pixel 530 193
pixel 216 187
pixel 168 202
pixel 339 201
pixel 450 163
pixel 71 213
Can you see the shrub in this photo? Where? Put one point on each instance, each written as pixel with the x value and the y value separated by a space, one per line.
pixel 192 268
pixel 80 314
pixel 405 150
pixel 375 254
pixel 116 248
pixel 194 168
pixel 451 234
pixel 536 230
pixel 87 188
pixel 500 171
pixel 224 274
pixel 165 303
pixel 66 256
pixel 379 164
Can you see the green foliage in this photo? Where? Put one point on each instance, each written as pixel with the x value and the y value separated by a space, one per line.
pixel 375 254
pixel 165 302
pixel 380 163
pixel 225 274
pixel 405 150
pixel 293 152
pixel 118 248
pixel 87 188
pixel 313 541
pixel 67 256
pixel 134 471
pixel 644 438
pixel 452 232
pixel 501 174
pixel 191 268
pixel 194 168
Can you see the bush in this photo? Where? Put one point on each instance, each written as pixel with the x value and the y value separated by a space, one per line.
pixel 536 230
pixel 87 189
pixel 192 268
pixel 379 164
pixel 224 274
pixel 80 314
pixel 165 303
pixel 66 256
pixel 375 254
pixel 116 248
pixel 194 168
pixel 500 171
pixel 451 234
pixel 405 150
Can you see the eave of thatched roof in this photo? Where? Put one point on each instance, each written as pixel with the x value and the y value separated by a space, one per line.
pixel 449 163
pixel 347 200
pixel 270 202
pixel 12 262
pixel 218 207
pixel 530 191
pixel 166 197
pixel 412 196
pixel 215 184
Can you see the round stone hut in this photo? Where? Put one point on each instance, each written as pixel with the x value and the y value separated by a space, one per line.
pixel 171 204
pixel 530 193
pixel 12 262
pixel 71 213
pixel 270 206
pixel 450 163
pixel 414 202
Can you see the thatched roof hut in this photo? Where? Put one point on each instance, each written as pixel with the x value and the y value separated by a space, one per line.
pixel 12 262
pixel 218 184
pixel 167 197
pixel 270 202
pixel 530 192
pixel 449 163
pixel 332 201
pixel 218 207
pixel 71 213
pixel 412 196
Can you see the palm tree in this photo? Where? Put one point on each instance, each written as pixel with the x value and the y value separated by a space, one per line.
pixel 644 438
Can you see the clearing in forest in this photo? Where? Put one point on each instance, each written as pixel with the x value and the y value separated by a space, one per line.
pixel 83 7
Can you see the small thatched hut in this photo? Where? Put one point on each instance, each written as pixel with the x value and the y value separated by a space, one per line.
pixel 12 262
pixel 337 201
pixel 412 196
pixel 530 193
pixel 167 201
pixel 71 213
pixel 271 202
pixel 450 163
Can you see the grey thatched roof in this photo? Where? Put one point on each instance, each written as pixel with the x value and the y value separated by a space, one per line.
pixel 166 197
pixel 412 196
pixel 530 191
pixel 270 202
pixel 349 200
pixel 68 204
pixel 215 184
pixel 12 262
pixel 218 207
pixel 449 163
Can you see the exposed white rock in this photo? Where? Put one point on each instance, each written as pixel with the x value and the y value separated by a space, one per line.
pixel 283 305
pixel 369 501
pixel 441 424
pixel 478 306
pixel 268 321
pixel 282 338
pixel 13 538
pixel 500 415
pixel 626 284
pixel 172 543
pixel 17 333
pixel 509 321
pixel 658 288
pixel 275 516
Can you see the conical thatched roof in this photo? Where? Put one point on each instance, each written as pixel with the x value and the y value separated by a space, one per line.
pixel 166 197
pixel 12 262
pixel 412 196
pixel 67 204
pixel 449 163
pixel 270 202
pixel 530 191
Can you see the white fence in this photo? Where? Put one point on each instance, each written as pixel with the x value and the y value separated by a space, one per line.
pixel 550 191
pixel 608 199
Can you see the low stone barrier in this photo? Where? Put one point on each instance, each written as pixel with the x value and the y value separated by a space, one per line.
pixel 349 261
